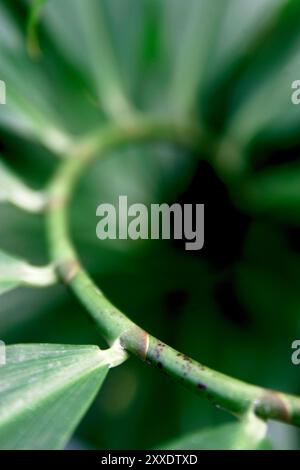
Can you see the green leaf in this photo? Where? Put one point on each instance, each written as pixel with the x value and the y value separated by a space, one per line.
pixel 88 24
pixel 273 191
pixel 245 26
pixel 267 284
pixel 15 272
pixel 29 108
pixel 268 81
pixel 198 36
pixel 248 434
pixel 44 392
pixel 13 190
pixel 32 38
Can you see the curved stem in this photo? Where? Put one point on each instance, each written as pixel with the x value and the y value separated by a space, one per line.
pixel 235 396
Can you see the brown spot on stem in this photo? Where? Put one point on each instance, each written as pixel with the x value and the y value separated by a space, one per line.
pixel 189 363
pixel 136 341
pixel 273 404
pixel 68 270
pixel 56 202
pixel 201 386
pixel 184 357
pixel 158 349
pixel 186 363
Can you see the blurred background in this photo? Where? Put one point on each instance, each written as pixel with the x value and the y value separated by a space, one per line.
pixel 227 66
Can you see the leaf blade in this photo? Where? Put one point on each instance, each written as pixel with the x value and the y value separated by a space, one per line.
pixel 248 434
pixel 42 411
pixel 15 272
pixel 97 56
pixel 13 190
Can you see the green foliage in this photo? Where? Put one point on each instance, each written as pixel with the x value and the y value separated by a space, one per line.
pixel 15 272
pixel 14 191
pixel 77 66
pixel 44 392
pixel 248 434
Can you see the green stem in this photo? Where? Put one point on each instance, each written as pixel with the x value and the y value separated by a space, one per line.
pixel 235 396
